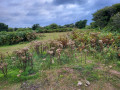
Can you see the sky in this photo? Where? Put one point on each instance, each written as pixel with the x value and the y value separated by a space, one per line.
pixel 25 13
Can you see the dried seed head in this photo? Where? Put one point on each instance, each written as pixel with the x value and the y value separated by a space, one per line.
pixel 23 57
pixel 30 55
pixel 100 41
pixel 53 61
pixel 50 52
pixel 85 50
pixel 1 66
pixel 25 49
pixel 52 48
pixel 58 51
pixel 70 43
pixel 18 75
pixel 44 59
pixel 20 71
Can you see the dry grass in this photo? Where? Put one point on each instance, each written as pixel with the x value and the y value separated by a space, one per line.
pixel 61 79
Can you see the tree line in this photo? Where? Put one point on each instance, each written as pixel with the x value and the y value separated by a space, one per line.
pixel 79 24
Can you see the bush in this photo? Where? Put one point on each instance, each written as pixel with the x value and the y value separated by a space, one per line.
pixel 103 16
pixel 8 38
pixel 88 27
pixel 53 30
pixel 81 24
pixel 3 27
pixel 114 24
pixel 53 26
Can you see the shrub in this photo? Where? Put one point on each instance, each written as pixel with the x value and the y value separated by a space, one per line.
pixel 3 27
pixel 114 24
pixel 8 38
pixel 81 24
pixel 44 30
pixel 25 58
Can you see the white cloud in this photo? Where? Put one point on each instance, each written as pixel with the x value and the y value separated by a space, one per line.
pixel 20 13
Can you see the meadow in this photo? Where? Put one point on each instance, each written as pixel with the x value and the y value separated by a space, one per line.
pixel 40 36
pixel 81 59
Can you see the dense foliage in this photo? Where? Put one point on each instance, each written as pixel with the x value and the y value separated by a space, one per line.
pixel 53 26
pixel 3 27
pixel 81 24
pixel 45 30
pixel 69 25
pixel 106 44
pixel 115 22
pixel 35 26
pixel 8 38
pixel 103 17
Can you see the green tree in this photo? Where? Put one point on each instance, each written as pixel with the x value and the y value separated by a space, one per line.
pixel 69 25
pixel 93 25
pixel 3 27
pixel 53 26
pixel 102 16
pixel 35 26
pixel 81 24
pixel 115 22
pixel 10 29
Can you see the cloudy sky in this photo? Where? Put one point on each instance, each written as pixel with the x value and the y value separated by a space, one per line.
pixel 25 13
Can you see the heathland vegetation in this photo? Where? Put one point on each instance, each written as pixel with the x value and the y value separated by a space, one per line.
pixel 84 57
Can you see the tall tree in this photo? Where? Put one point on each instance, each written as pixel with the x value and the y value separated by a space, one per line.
pixel 102 16
pixel 115 22
pixel 35 26
pixel 81 24
pixel 53 26
pixel 3 27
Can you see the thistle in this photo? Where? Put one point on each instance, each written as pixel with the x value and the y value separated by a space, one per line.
pixel 58 51
pixel 85 55
pixel 51 54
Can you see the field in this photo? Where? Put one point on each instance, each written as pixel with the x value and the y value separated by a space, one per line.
pixel 76 60
pixel 46 36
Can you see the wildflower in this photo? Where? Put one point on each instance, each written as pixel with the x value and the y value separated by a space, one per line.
pixel 79 83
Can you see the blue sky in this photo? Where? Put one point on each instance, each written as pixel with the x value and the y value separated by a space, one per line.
pixel 25 13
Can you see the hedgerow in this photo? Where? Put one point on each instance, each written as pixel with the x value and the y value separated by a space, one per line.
pixel 9 38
